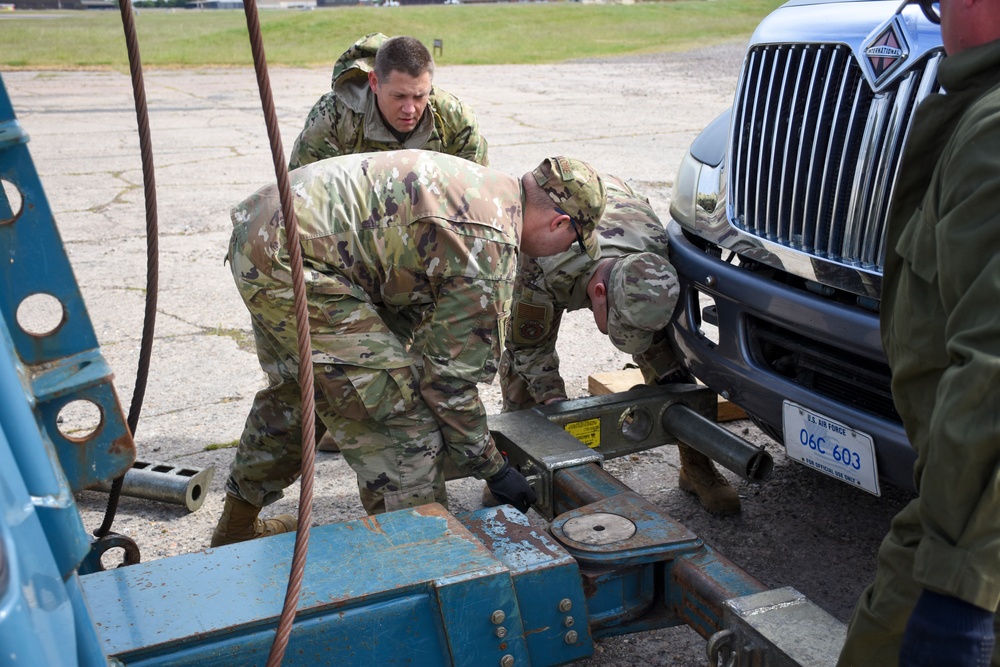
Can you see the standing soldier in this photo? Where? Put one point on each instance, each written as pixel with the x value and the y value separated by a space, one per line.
pixel 632 290
pixel 383 99
pixel 937 587
pixel 410 259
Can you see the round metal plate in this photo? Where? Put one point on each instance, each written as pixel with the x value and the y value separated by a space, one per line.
pixel 598 529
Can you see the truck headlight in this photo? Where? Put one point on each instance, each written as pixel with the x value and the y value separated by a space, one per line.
pixel 684 195
pixel 696 201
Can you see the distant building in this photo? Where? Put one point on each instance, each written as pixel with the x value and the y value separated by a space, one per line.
pixel 23 5
pixel 49 4
pixel 214 4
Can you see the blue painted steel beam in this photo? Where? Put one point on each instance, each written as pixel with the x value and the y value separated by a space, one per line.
pixel 64 364
pixel 546 580
pixel 413 586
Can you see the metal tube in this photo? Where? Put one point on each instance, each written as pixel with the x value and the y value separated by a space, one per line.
pixel 733 452
pixel 166 483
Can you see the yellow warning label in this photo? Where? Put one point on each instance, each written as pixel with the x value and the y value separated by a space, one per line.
pixel 588 432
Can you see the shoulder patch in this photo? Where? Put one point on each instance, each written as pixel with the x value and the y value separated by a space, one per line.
pixel 530 322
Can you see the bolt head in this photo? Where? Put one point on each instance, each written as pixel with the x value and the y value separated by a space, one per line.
pixel 571 637
pixel 565 605
pixel 507 661
pixel 498 616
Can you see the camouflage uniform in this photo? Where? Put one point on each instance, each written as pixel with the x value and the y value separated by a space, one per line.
pixel 346 120
pixel 410 259
pixel 549 286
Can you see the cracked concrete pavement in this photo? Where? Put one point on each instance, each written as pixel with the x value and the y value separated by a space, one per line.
pixel 632 117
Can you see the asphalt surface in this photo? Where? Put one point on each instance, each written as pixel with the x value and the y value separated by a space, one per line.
pixel 632 117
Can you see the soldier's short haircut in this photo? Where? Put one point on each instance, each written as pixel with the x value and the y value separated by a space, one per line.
pixel 603 270
pixel 403 54
pixel 535 196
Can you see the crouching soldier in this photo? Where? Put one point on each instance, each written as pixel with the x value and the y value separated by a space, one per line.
pixel 632 290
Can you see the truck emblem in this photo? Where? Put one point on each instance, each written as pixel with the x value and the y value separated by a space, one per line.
pixel 885 51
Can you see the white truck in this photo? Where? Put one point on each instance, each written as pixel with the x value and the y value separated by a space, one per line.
pixel 778 231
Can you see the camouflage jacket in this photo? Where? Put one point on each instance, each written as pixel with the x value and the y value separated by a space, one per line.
pixel 430 239
pixel 346 120
pixel 549 286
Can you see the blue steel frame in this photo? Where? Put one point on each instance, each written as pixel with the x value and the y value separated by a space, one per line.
pixel 43 616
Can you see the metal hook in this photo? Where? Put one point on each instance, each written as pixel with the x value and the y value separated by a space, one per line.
pixel 720 649
pixel 100 546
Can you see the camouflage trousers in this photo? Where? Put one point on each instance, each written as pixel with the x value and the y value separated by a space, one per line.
pixel 385 430
pixel 875 634
pixel 514 388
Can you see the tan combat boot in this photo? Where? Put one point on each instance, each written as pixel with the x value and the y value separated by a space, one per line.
pixel 239 522
pixel 327 443
pixel 699 476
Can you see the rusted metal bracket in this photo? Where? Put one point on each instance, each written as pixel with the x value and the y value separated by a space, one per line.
pixel 640 568
pixel 543 440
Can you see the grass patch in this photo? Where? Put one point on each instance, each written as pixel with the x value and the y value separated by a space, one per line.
pixel 243 340
pixel 222 445
pixel 528 33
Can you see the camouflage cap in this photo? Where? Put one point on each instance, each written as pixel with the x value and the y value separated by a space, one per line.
pixel 578 191
pixel 642 291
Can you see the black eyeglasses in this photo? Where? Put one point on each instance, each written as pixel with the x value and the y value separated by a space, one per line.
pixel 607 301
pixel 930 8
pixel 576 230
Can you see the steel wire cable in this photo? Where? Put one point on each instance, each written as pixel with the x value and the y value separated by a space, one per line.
pixel 152 250
pixel 284 629
pixel 293 590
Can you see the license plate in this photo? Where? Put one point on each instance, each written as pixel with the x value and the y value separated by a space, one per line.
pixel 830 447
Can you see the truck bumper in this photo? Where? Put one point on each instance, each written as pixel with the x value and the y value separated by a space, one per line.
pixel 817 334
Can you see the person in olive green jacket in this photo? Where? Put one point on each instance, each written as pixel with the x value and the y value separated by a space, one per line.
pixel 937 587
pixel 382 98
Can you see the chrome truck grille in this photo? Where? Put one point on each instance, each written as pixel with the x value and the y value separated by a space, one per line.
pixel 815 149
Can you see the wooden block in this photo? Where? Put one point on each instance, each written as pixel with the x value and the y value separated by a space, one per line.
pixel 729 412
pixel 612 382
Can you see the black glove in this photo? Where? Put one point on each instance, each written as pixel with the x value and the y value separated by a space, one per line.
pixel 945 630
pixel 511 488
